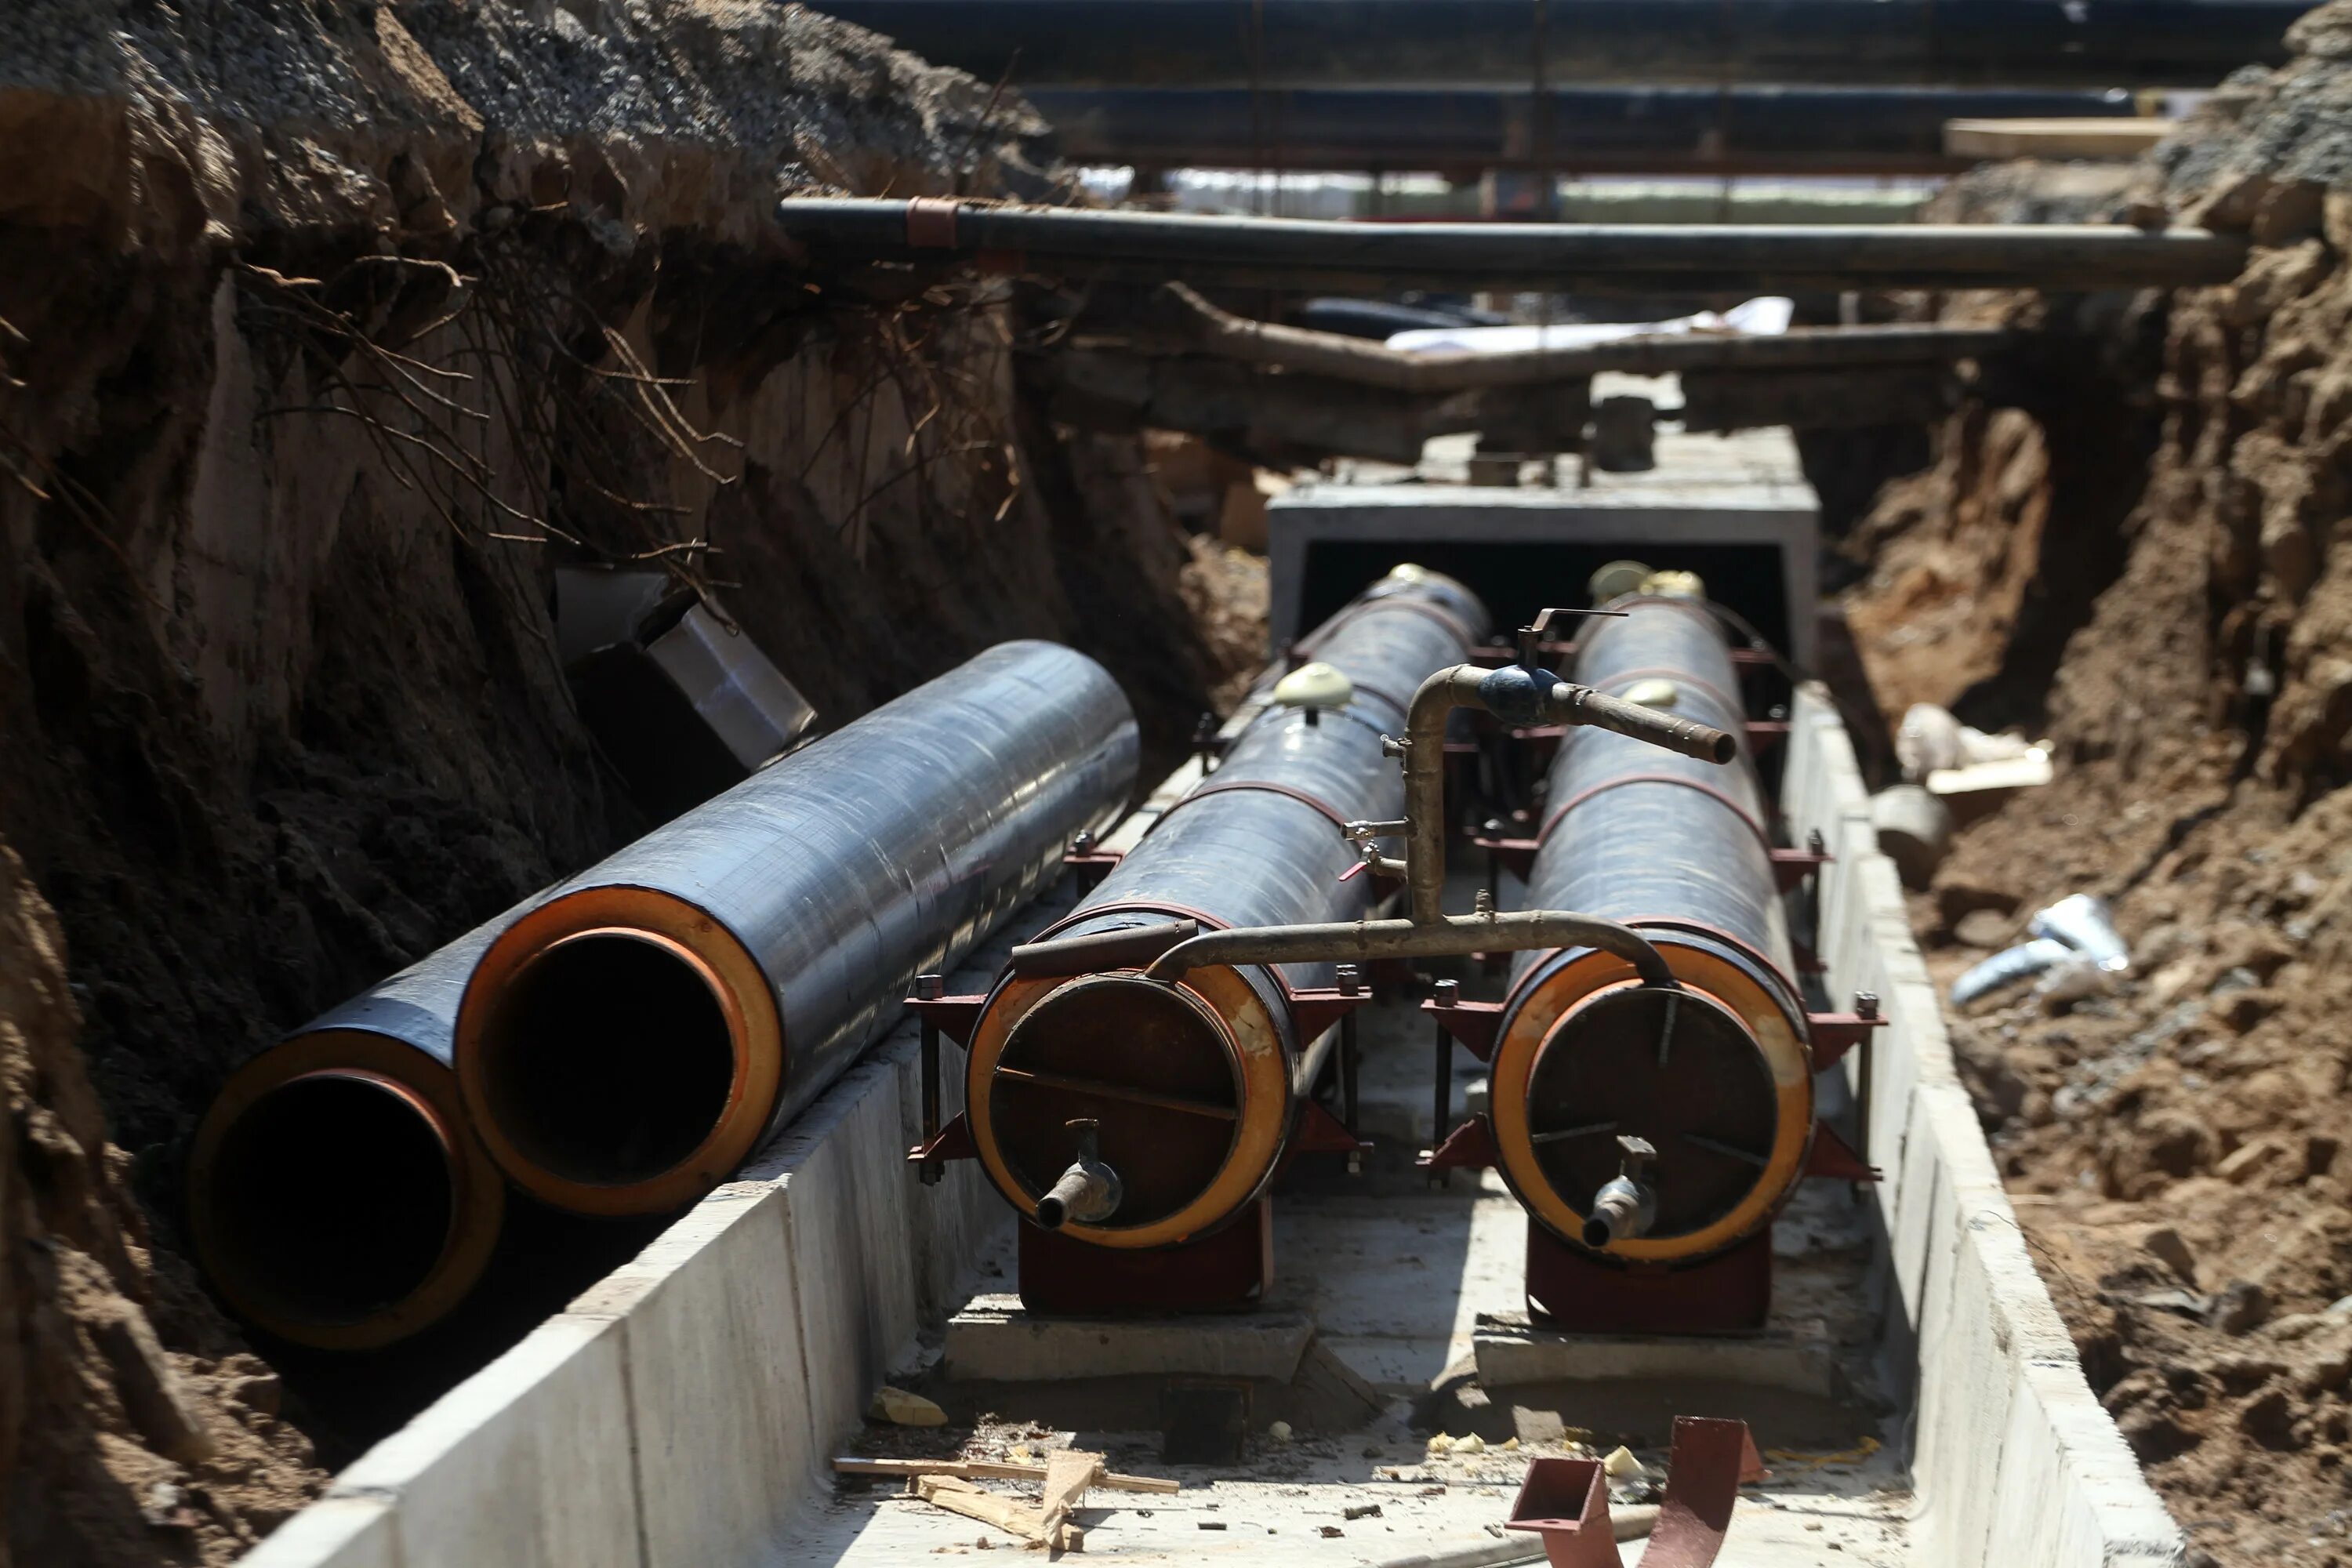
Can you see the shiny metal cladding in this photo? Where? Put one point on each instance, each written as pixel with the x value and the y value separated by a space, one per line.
pixel 337 1197
pixel 1192 1088
pixel 626 1044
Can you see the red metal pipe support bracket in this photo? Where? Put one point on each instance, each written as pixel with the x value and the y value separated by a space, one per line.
pixel 1790 867
pixel 952 1141
pixel 954 1017
pixel 1835 1034
pixel 1472 1024
pixel 1314 1011
pixel 1469 1147
pixel 1321 1132
pixel 1518 855
pixel 1833 1157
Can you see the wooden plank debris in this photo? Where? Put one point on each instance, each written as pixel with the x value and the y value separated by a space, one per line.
pixel 1020 1521
pixel 994 1470
pixel 2103 138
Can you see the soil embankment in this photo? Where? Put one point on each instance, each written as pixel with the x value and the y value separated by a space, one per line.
pixel 2177 1147
pixel 326 331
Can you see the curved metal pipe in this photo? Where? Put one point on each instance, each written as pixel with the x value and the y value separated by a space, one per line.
pixel 626 1044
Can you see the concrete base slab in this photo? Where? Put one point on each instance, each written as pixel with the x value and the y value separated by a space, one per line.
pixel 1512 1352
pixel 995 1339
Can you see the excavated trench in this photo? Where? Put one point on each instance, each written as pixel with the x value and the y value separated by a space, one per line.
pixel 326 337
pixel 328 332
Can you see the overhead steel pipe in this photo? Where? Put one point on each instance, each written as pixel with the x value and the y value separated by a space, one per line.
pixel 1297 43
pixel 1465 255
pixel 336 1196
pixel 626 1044
pixel 1128 1114
pixel 1770 128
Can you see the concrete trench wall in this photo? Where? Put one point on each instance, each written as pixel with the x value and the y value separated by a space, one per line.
pixel 680 1411
pixel 2014 1462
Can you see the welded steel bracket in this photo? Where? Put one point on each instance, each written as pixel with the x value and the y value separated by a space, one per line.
pixel 1790 867
pixel 954 1017
pixel 1566 1502
pixel 1469 1147
pixel 952 1141
pixel 1835 1034
pixel 1321 1132
pixel 1315 1011
pixel 1833 1157
pixel 1763 734
pixel 1516 856
pixel 1472 1024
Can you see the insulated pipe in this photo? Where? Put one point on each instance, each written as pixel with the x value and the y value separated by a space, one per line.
pixel 1769 128
pixel 1650 257
pixel 1713 1079
pixel 1253 43
pixel 1193 1086
pixel 336 1198
pixel 626 1044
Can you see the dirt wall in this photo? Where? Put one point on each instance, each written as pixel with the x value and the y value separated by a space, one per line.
pixel 328 329
pixel 2176 1142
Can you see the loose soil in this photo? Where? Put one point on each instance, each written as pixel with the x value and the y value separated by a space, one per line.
pixel 2176 1145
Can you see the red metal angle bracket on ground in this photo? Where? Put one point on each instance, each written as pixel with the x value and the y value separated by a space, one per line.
pixel 1566 1502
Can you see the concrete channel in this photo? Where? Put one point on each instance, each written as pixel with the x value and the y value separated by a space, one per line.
pixel 684 1410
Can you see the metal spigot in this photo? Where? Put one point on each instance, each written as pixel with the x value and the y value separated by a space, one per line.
pixel 1627 1206
pixel 1088 1191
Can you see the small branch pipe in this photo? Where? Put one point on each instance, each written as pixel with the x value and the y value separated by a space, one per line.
pixel 626 1044
pixel 336 1195
pixel 1514 695
pixel 1697 257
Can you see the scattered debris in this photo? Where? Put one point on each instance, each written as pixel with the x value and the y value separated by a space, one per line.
pixel 1622 1466
pixel 2077 933
pixel 1362 1511
pixel 995 1469
pixel 1279 1431
pixel 1021 1521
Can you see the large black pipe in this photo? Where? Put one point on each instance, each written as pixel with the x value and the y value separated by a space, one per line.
pixel 1714 1076
pixel 1650 257
pixel 626 1043
pixel 1188 1091
pixel 1592 131
pixel 337 1195
pixel 1296 43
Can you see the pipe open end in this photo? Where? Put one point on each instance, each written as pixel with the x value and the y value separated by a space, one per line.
pixel 332 1199
pixel 608 1060
pixel 1726 748
pixel 1597 1233
pixel 1052 1212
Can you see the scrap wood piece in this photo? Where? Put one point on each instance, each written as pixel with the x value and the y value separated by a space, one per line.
pixel 1069 1474
pixel 957 1495
pixel 995 1470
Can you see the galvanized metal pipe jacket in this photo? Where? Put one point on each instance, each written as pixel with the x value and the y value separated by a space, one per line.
pixel 884 851
pixel 1256 857
pixel 1632 832
pixel 400 1031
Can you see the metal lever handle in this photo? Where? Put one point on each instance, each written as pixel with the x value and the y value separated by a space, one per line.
pixel 1583 705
